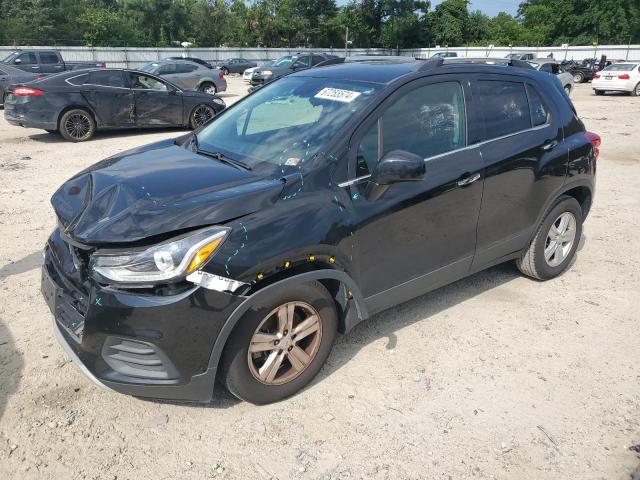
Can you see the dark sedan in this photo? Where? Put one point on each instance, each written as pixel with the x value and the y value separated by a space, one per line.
pixel 235 65
pixel 77 103
pixel 10 75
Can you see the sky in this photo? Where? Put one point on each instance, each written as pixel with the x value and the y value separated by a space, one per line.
pixel 490 7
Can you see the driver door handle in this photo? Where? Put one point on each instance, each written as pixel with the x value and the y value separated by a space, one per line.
pixel 468 180
pixel 548 146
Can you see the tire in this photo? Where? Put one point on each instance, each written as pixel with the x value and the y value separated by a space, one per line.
pixel 80 118
pixel 208 87
pixel 241 370
pixel 200 115
pixel 225 70
pixel 578 77
pixel 567 90
pixel 534 262
pixel 599 92
pixel 636 91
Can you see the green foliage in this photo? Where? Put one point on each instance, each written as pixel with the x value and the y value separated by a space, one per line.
pixel 319 23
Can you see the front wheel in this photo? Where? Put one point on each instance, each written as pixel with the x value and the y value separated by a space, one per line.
pixel 225 71
pixel 280 344
pixel 567 90
pixel 201 115
pixel 77 125
pixel 556 241
pixel 208 87
pixel 578 77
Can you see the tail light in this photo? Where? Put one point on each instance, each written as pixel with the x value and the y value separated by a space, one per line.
pixel 39 77
pixel 221 74
pixel 596 75
pixel 26 92
pixel 103 65
pixel 595 140
pixel 624 76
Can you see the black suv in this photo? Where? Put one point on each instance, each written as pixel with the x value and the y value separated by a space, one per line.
pixel 286 65
pixel 331 194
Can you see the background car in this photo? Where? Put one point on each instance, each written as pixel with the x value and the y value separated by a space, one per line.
pixel 10 75
pixel 246 76
pixel 619 77
pixel 525 56
pixel 199 61
pixel 235 65
pixel 444 55
pixel 45 61
pixel 286 65
pixel 585 70
pixel 554 68
pixel 78 103
pixel 188 75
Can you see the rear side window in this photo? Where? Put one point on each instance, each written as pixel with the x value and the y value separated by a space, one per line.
pixel 539 113
pixel 185 68
pixel 78 79
pixel 504 106
pixel 167 69
pixel 316 59
pixel 48 58
pixel 106 78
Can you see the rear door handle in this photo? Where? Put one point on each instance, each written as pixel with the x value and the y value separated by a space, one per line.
pixel 548 146
pixel 468 180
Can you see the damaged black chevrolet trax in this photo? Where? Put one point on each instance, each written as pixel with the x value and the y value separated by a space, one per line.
pixel 239 251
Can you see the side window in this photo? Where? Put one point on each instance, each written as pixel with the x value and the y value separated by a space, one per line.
pixel 78 79
pixel 427 121
pixel 316 59
pixel 304 60
pixel 545 67
pixel 167 69
pixel 27 58
pixel 49 58
pixel 106 78
pixel 539 113
pixel 504 106
pixel 143 82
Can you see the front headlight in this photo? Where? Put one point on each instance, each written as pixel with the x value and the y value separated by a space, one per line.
pixel 169 260
pixel 266 73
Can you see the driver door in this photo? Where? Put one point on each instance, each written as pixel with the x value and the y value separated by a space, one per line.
pixel 156 102
pixel 420 234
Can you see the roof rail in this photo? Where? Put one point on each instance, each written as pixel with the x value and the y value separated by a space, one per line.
pixel 490 61
pixel 431 63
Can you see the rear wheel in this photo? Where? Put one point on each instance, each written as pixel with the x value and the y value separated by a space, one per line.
pixel 567 89
pixel 599 92
pixel 77 125
pixel 578 77
pixel 208 87
pixel 556 241
pixel 281 344
pixel 201 115
pixel 636 91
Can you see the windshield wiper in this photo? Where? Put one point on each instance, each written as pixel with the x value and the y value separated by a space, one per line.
pixel 217 155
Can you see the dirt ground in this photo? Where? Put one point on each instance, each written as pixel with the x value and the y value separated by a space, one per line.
pixel 496 376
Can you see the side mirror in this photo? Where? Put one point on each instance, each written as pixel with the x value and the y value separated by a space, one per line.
pixel 395 166
pixel 17 61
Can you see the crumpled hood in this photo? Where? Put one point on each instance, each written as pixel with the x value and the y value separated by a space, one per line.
pixel 155 190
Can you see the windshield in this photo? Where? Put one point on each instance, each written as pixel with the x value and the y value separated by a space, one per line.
pixel 10 58
pixel 621 67
pixel 287 122
pixel 149 68
pixel 284 61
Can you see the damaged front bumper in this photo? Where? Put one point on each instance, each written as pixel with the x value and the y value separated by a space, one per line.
pixel 142 344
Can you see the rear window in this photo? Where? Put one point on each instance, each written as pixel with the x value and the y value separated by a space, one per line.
pixel 621 67
pixel 48 58
pixel 106 78
pixel 504 106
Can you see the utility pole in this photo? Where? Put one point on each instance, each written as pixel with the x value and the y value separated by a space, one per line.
pixel 346 43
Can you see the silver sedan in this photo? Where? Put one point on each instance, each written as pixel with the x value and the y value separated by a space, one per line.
pixel 188 75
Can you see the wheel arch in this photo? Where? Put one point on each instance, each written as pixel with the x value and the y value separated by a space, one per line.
pixel 86 108
pixel 337 282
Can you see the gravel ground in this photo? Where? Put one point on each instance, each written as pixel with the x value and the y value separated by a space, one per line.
pixel 495 376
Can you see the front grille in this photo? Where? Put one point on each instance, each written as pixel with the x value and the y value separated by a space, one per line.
pixel 138 359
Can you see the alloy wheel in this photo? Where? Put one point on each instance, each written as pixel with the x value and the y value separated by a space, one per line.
pixel 201 115
pixel 285 343
pixel 77 126
pixel 560 239
pixel 577 78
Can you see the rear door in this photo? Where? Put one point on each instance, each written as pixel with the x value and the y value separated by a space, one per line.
pixel 50 62
pixel 110 98
pixel 156 102
pixel 523 161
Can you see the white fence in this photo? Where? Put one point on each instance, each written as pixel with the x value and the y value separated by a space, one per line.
pixel 135 57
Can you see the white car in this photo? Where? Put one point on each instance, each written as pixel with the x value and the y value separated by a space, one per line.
pixel 618 77
pixel 246 75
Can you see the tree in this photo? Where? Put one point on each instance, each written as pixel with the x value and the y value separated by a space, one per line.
pixel 450 22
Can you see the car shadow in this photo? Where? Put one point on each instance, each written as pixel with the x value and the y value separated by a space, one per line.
pixel 31 261
pixel 55 137
pixel 11 366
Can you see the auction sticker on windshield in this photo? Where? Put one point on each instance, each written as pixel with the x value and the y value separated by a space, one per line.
pixel 338 95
